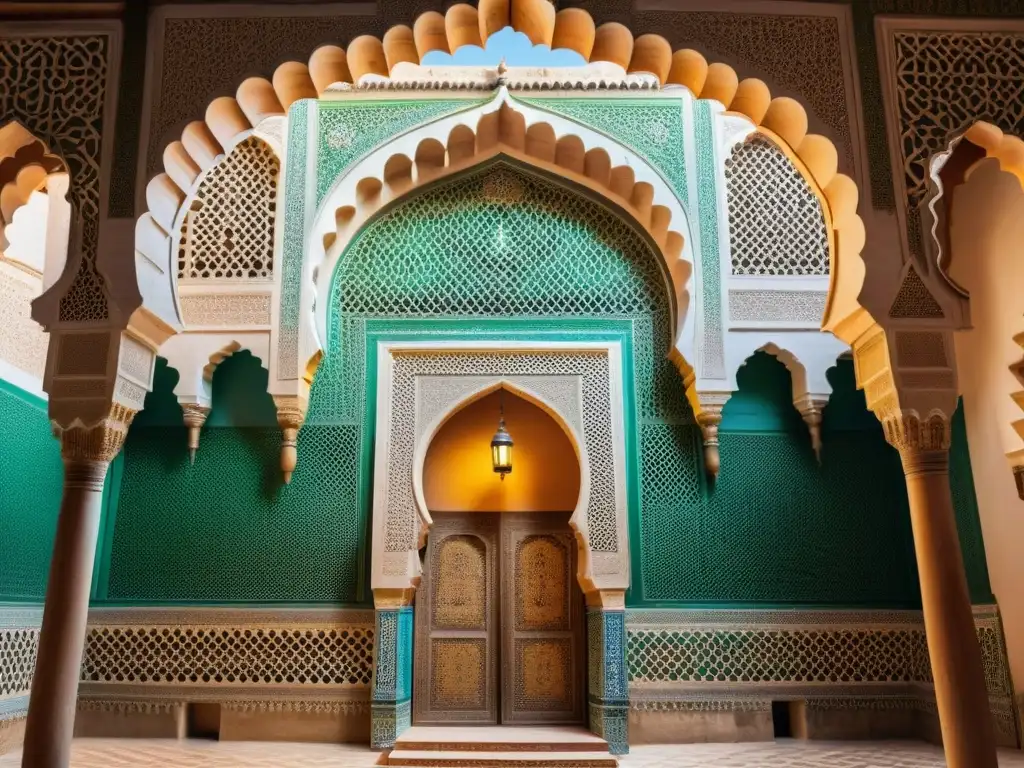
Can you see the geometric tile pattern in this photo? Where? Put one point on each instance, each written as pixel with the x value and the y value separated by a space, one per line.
pixel 711 660
pixel 247 659
pixel 391 688
pixel 608 687
pixel 146 753
pixel 326 655
pixel 757 655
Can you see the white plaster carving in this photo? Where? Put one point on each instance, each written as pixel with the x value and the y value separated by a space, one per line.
pixel 321 261
pixel 421 384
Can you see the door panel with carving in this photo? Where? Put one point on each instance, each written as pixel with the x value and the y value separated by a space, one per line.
pixel 456 650
pixel 542 621
pixel 484 659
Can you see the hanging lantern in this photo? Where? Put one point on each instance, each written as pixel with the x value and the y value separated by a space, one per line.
pixel 501 446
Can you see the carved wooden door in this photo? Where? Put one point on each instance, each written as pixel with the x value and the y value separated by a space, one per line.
pixel 537 641
pixel 543 648
pixel 457 629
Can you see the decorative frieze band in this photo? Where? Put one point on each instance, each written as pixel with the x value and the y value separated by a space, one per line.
pixel 769 306
pixel 739 660
pixel 226 309
pixel 228 654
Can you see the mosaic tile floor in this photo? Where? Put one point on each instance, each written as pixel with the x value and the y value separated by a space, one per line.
pixel 104 753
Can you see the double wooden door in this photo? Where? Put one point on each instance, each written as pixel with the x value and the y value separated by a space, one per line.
pixel 499 622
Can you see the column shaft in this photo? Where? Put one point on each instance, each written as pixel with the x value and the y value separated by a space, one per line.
pixel 967 732
pixel 51 712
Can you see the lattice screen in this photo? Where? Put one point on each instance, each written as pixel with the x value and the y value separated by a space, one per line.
pixel 18 648
pixel 229 233
pixel 816 654
pixel 776 225
pixel 31 479
pixel 229 655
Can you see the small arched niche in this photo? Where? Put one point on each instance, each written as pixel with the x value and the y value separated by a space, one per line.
pixel 457 471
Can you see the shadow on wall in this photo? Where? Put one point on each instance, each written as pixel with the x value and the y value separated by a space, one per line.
pixel 226 529
pixel 780 528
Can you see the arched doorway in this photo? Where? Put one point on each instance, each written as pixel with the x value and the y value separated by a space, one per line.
pixel 499 612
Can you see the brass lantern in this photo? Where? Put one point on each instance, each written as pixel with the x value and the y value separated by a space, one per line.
pixel 501 446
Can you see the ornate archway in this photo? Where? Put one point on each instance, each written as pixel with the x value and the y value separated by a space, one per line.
pixel 621 63
pixel 580 385
pixel 396 61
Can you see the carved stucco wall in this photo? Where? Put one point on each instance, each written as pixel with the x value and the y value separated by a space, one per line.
pixel 802 53
pixel 191 64
pixel 798 54
pixel 70 120
pixel 941 76
pixel 22 340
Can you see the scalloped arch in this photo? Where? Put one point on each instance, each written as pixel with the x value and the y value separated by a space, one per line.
pixel 1008 151
pixel 25 165
pixel 257 99
pixel 448 150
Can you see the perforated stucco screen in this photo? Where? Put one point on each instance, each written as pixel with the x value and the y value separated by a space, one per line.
pixel 502 244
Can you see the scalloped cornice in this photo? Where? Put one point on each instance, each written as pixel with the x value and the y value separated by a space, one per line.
pixel 369 62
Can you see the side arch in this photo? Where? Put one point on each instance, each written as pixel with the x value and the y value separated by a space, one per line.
pixel 949 170
pixel 35 235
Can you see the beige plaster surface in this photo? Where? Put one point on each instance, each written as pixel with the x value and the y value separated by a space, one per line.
pixel 457 471
pixel 103 753
pixel 987 247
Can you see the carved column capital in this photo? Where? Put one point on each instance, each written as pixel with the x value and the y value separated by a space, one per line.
pixel 810 408
pixel 906 430
pixel 923 443
pixel 384 599
pixel 99 442
pixel 608 599
pixel 291 413
pixel 194 415
pixel 707 410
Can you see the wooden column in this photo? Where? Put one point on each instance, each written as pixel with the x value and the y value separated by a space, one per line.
pixel 87 453
pixel 967 733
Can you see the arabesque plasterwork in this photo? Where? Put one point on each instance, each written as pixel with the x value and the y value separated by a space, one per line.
pixel 421 383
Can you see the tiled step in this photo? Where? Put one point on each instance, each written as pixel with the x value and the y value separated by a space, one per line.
pixel 493 759
pixel 543 747
pixel 501 739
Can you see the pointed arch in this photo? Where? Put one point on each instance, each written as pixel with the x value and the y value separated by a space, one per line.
pixel 592 165
pixel 578 519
